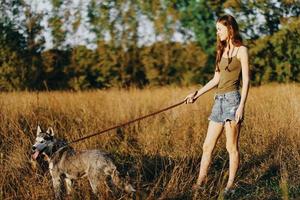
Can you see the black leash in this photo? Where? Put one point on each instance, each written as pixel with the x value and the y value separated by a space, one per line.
pixel 129 122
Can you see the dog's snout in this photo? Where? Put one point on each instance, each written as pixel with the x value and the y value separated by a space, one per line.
pixel 33 148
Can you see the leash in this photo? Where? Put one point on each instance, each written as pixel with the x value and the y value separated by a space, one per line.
pixel 129 122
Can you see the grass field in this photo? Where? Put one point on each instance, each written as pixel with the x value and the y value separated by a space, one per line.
pixel 161 154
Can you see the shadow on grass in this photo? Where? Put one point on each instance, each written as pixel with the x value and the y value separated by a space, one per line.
pixel 262 172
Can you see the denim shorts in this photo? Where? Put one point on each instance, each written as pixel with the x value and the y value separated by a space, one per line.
pixel 225 106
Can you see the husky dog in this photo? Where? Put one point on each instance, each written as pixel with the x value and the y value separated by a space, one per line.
pixel 68 164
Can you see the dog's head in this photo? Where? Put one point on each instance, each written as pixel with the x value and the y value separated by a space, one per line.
pixel 44 142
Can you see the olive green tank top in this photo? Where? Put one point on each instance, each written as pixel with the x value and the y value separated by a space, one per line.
pixel 229 77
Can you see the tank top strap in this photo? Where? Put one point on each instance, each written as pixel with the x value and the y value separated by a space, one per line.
pixel 237 50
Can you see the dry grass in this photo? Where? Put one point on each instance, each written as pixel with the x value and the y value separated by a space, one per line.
pixel 161 153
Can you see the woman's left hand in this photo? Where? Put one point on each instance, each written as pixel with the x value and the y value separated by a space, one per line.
pixel 239 114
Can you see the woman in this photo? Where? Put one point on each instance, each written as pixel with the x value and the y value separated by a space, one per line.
pixel 228 109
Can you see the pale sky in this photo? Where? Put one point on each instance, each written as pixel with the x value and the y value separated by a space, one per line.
pixel 82 36
pixel 145 30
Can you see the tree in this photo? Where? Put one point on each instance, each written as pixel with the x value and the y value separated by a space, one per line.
pixel 200 17
pixel 12 48
pixel 277 57
pixel 259 18
pixel 35 44
pixel 83 72
pixel 185 61
pixel 118 21
pixel 54 75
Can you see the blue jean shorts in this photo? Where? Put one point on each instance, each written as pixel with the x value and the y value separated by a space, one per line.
pixel 225 106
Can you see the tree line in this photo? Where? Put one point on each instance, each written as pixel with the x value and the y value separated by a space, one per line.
pixel 120 57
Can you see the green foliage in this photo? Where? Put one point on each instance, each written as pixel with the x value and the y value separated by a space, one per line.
pixel 53 75
pixel 58 33
pixel 83 71
pixel 258 18
pixel 277 57
pixel 200 16
pixel 121 59
pixel 34 46
pixel 11 72
pixel 172 63
pixel 12 44
pixel 119 67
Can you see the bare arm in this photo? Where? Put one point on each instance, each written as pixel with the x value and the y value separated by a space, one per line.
pixel 243 57
pixel 208 86
pixel 245 74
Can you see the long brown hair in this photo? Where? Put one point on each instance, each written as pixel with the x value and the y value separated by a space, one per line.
pixel 233 34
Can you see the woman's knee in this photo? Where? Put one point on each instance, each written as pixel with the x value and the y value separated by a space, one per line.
pixel 232 148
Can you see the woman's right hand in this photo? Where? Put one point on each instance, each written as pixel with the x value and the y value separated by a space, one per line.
pixel 191 98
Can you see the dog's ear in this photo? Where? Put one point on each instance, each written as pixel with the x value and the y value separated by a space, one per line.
pixel 50 131
pixel 38 131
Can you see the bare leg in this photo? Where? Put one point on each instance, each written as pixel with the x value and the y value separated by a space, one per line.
pixel 213 132
pixel 232 134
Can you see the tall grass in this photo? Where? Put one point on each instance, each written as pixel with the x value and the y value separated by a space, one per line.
pixel 161 154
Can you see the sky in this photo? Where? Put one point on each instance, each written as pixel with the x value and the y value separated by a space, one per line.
pixel 80 38
pixel 83 36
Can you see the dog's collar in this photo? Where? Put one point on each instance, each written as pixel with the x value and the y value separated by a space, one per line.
pixel 59 151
